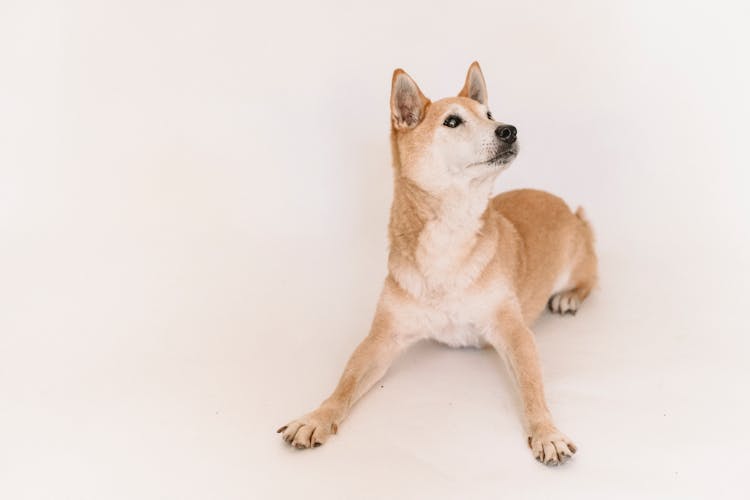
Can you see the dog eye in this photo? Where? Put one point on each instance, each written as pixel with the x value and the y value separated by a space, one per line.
pixel 453 121
pixel 489 115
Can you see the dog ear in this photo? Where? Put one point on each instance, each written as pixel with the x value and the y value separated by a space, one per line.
pixel 475 87
pixel 408 103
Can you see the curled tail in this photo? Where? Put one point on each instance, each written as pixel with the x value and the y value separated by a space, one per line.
pixel 586 271
pixel 581 214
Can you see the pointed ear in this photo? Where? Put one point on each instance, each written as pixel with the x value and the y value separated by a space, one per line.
pixel 408 103
pixel 475 87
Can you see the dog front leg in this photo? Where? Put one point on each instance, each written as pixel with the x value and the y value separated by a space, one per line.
pixel 369 362
pixel 515 340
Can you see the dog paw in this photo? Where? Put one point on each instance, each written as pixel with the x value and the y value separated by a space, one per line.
pixel 311 430
pixel 564 303
pixel 551 447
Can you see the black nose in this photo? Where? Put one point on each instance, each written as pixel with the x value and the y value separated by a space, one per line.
pixel 506 133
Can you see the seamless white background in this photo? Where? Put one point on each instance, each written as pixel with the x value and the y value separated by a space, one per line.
pixel 193 202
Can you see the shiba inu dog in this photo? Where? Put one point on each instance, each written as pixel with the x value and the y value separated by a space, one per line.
pixel 465 269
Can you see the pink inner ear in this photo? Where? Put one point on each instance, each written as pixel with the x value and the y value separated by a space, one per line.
pixel 408 113
pixel 408 107
pixel 475 88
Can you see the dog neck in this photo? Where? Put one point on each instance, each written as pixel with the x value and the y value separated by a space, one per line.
pixel 440 243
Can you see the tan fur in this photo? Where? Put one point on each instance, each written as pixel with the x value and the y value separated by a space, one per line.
pixel 464 268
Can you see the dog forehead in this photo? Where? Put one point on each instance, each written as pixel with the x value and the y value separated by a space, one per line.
pixel 456 104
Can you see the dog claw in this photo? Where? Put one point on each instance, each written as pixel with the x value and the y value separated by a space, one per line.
pixel 564 303
pixel 311 430
pixel 281 429
pixel 551 448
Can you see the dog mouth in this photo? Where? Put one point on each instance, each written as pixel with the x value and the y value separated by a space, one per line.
pixel 502 157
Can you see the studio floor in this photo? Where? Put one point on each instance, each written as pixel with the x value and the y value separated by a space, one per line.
pixel 182 397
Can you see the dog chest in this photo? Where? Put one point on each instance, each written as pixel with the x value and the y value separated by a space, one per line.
pixel 460 320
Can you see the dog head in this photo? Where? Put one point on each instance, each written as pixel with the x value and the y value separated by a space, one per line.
pixel 451 142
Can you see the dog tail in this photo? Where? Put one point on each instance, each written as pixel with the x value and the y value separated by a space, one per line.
pixel 581 214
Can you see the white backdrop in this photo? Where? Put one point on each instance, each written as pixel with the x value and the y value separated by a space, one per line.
pixel 193 202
